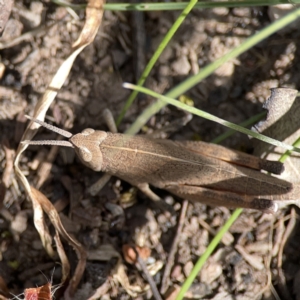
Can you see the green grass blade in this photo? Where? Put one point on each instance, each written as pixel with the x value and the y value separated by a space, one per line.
pixel 210 117
pixel 285 155
pixel 199 5
pixel 246 123
pixel 176 5
pixel 208 70
pixel 156 55
pixel 212 246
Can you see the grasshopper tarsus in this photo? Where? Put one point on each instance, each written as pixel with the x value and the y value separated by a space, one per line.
pixel 275 167
pixel 264 205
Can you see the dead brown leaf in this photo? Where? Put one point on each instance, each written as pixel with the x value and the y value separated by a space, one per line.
pixel 41 204
pixel 283 124
pixel 39 293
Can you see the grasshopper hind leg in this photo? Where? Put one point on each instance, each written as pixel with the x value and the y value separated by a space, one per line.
pixel 222 198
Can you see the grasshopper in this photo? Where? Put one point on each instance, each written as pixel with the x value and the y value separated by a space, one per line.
pixel 196 171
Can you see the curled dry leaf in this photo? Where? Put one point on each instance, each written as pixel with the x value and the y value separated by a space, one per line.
pixel 50 210
pixel 63 258
pixel 283 124
pixel 94 12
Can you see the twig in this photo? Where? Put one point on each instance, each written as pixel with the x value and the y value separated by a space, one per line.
pixel 149 278
pixel 170 261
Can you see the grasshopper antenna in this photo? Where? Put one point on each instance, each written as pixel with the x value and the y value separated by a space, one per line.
pixel 60 131
pixel 54 129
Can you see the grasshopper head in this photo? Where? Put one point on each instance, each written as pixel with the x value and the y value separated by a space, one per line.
pixel 87 146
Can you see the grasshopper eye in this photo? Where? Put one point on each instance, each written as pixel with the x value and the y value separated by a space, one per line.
pixel 85 154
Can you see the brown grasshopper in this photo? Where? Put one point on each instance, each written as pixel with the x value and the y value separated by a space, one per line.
pixel 195 171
